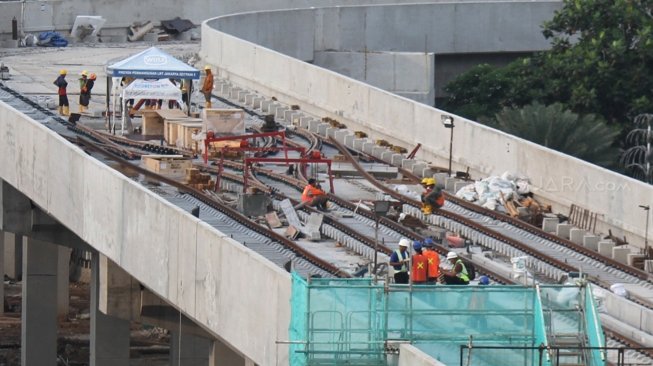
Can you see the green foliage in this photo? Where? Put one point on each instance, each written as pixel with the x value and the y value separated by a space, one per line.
pixel 586 137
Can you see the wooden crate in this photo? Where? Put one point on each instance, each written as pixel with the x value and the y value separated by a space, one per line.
pixel 172 166
pixel 175 130
pixel 153 120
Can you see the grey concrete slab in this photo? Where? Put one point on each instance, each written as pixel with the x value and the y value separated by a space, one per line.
pixel 397 159
pixel 418 168
pixel 358 143
pixel 340 135
pixel 591 242
pixel 562 230
pixel 368 147
pixel 576 235
pixel 549 224
pixel 322 128
pixel 242 95
pixel 605 248
pixel 313 125
pixel 620 254
pixel 331 132
pixel 387 156
pixel 378 151
pixel 305 121
pixel 349 141
pixel 279 112
pixel 257 102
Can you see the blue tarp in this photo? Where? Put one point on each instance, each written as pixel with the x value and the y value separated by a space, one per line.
pixel 52 39
pixel 153 64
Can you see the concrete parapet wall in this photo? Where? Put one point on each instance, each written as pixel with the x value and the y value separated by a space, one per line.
pixel 557 178
pixel 410 355
pixel 183 260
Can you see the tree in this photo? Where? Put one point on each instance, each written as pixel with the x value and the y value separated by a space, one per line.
pixel 586 137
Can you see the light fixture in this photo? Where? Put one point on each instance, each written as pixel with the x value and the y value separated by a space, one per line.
pixel 447 122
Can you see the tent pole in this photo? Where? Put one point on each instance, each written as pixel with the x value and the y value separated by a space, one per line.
pixel 190 91
pixel 106 113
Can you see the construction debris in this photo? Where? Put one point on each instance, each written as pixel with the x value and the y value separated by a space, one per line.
pixel 137 30
pixel 177 25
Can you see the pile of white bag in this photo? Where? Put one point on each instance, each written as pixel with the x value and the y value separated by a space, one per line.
pixel 492 192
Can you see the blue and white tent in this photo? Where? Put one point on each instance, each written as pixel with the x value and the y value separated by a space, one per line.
pixel 152 64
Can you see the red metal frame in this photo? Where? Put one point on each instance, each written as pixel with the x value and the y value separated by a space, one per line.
pixel 287 160
pixel 209 140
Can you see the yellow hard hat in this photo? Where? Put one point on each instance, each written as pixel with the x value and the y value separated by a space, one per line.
pixel 207 67
pixel 84 73
pixel 424 180
pixel 430 182
pixel 63 72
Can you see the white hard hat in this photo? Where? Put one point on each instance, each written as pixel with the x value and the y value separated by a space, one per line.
pixel 404 243
pixel 402 216
pixel 452 255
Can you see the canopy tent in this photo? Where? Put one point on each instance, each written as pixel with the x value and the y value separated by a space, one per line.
pixel 152 89
pixel 151 63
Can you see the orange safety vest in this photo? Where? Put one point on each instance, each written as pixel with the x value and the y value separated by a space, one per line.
pixel 433 266
pixel 311 192
pixel 418 271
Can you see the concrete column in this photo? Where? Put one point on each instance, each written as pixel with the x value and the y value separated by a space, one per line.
pixel 109 343
pixel 13 253
pixel 222 355
pixel 63 276
pixel 2 273
pixel 188 349
pixel 39 304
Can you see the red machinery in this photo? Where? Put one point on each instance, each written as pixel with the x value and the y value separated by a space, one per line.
pixel 313 157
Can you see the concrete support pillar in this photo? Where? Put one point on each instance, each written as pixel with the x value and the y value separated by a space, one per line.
pixel 39 304
pixel 63 276
pixel 222 355
pixel 109 343
pixel 188 349
pixel 13 255
pixel 2 273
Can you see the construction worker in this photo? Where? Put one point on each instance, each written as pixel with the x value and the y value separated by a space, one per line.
pixel 62 84
pixel 433 261
pixel 419 268
pixel 399 260
pixel 314 196
pixel 432 198
pixel 84 96
pixel 207 87
pixel 458 274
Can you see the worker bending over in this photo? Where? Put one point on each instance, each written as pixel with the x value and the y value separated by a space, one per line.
pixel 432 198
pixel 458 275
pixel 314 196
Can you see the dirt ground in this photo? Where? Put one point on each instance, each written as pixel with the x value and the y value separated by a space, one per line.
pixel 149 345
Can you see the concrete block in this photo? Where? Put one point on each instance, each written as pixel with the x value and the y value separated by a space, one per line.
pixel 233 94
pixel 549 224
pixel 249 99
pixel 408 163
pixel 295 117
pixel 280 111
pixel 648 266
pixel 368 147
pixel 562 230
pixel 576 235
pixel 289 115
pixel 605 248
pixel 378 151
pixel 304 121
pixel 387 156
pixel 313 125
pixel 242 94
pixel 450 183
pixel 253 204
pixel 339 135
pixel 221 86
pixel 620 254
pixel 256 102
pixel 331 132
pixel 349 141
pixel 440 178
pixel 418 168
pixel 358 144
pixel 591 242
pixel 459 185
pixel 322 128
pixel 397 159
pixel 632 257
pixel 427 172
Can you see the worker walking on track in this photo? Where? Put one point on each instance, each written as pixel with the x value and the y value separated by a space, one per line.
pixel 433 261
pixel 207 87
pixel 458 275
pixel 419 268
pixel 62 84
pixel 399 260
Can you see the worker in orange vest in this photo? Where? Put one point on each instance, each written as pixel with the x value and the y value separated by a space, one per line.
pixel 433 261
pixel 314 196
pixel 207 87
pixel 419 267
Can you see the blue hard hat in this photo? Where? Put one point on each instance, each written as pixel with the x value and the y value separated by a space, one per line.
pixel 484 280
pixel 428 242
pixel 417 245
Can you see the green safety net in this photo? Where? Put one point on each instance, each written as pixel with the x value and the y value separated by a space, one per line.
pixel 357 322
pixel 595 335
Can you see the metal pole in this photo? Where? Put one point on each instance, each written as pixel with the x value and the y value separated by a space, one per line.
pixel 648 210
pixel 450 148
pixel 376 246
